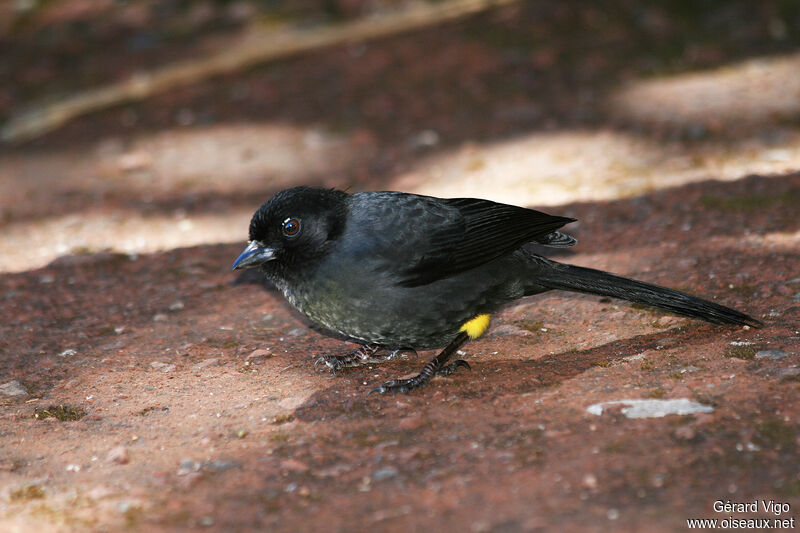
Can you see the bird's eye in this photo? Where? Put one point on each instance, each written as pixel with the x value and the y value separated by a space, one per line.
pixel 291 227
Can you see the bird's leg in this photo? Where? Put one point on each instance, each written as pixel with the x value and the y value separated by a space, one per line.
pixel 435 366
pixel 365 355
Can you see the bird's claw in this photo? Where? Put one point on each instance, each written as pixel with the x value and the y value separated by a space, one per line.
pixel 452 367
pixel 367 354
pixel 405 386
pixel 333 362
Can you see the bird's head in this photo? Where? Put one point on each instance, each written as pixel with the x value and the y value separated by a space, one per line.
pixel 294 227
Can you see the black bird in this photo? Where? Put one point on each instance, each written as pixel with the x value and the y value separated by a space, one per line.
pixel 405 272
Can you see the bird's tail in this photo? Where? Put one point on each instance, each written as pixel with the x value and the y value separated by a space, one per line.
pixel 553 275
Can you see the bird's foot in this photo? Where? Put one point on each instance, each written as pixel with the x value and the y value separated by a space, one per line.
pixel 367 354
pixel 435 366
pixel 452 367
pixel 362 356
pixel 421 379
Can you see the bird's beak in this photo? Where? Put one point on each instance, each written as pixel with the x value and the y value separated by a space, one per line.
pixel 255 254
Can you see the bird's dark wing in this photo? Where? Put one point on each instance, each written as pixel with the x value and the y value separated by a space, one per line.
pixel 471 232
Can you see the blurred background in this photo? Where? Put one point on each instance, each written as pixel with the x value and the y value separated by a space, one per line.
pixel 142 125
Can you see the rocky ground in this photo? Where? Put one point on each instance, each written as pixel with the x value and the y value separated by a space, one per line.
pixel 145 386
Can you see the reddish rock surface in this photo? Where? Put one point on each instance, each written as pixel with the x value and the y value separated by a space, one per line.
pixel 156 390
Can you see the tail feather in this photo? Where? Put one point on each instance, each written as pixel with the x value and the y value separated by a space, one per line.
pixel 588 280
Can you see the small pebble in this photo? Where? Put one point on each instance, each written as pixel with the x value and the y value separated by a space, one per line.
pixel 187 466
pixel 293 465
pixel 184 348
pixel 635 357
pixel 651 408
pixel 333 471
pixel 384 473
pixel 425 139
pixel 118 455
pixel 504 330
pixel 13 388
pixel 771 354
pixel 259 354
pixel 666 321
pixel 177 306
pixel 219 465
pixel 666 342
pixel 160 317
pixel 206 363
pixel 164 367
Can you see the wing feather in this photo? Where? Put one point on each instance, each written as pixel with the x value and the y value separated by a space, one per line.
pixel 476 232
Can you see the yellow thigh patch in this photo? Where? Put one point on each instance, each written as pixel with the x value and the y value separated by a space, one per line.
pixel 476 326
